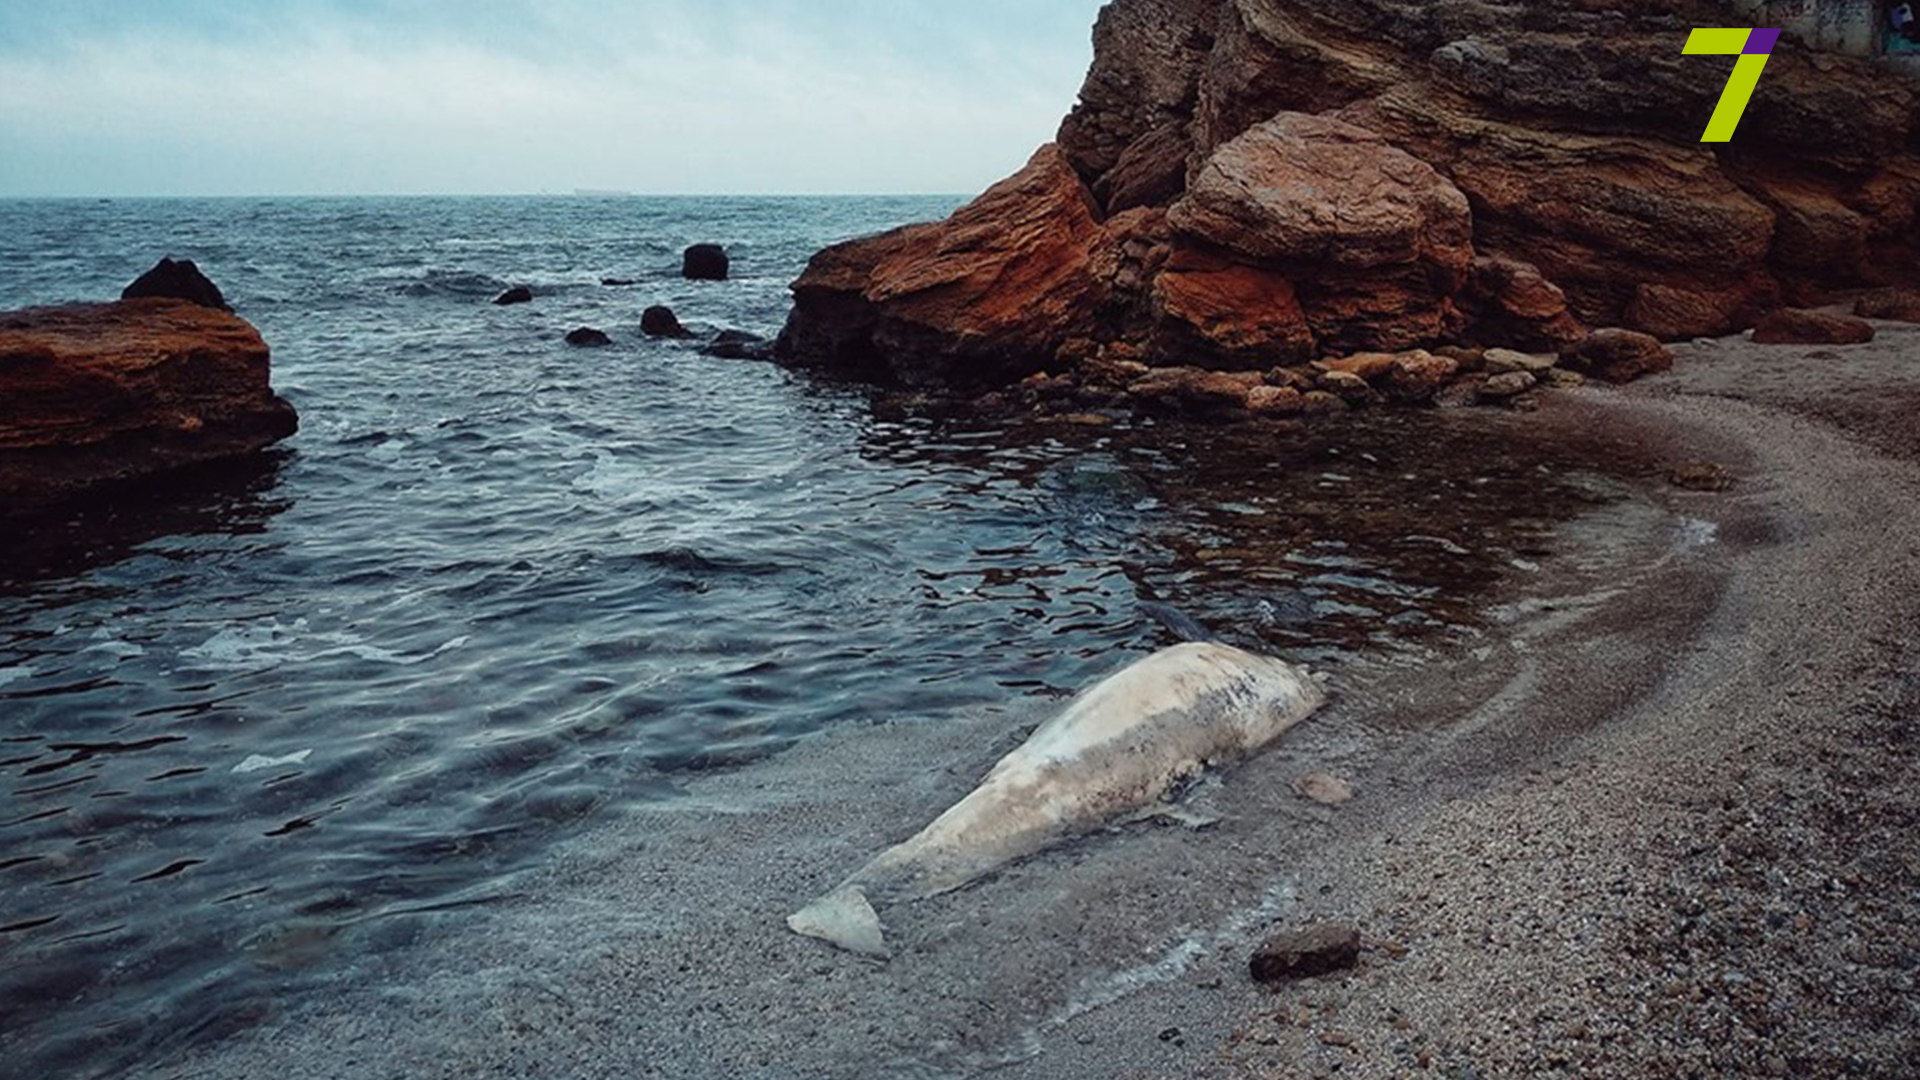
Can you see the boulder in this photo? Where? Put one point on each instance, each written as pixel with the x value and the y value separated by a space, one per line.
pixel 659 321
pixel 588 338
pixel 618 283
pixel 1268 181
pixel 1620 356
pixel 1502 361
pixel 1418 375
pixel 1790 326
pixel 519 294
pixel 1376 240
pixel 705 262
pixel 1896 305
pixel 93 394
pixel 1318 950
pixel 178 280
pixel 986 297
pixel 1198 392
pixel 1510 385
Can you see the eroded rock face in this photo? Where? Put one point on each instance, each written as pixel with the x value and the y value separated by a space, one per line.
pixel 1250 182
pixel 96 393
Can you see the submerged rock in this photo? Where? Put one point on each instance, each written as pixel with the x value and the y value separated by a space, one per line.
pixel 177 280
pixel 1305 954
pixel 705 262
pixel 1794 327
pixel 659 321
pixel 738 345
pixel 91 394
pixel 588 338
pixel 519 294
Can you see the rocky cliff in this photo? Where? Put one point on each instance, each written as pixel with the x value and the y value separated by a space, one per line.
pixel 96 393
pixel 1248 183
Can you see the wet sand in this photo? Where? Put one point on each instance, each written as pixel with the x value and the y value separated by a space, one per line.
pixel 1658 823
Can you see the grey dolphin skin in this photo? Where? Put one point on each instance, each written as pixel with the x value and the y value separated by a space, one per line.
pixel 1120 746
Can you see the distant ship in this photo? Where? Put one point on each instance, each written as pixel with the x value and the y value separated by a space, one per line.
pixel 601 193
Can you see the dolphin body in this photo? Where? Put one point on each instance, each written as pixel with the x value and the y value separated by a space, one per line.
pixel 1118 747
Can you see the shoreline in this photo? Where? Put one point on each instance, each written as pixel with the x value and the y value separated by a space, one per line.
pixel 1525 806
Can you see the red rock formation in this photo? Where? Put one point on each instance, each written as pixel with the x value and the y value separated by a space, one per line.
pixel 1257 182
pixel 95 393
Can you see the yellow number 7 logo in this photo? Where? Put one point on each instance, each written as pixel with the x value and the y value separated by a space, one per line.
pixel 1754 48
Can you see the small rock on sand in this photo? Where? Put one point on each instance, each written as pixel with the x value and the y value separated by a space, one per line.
pixel 1304 954
pixel 1324 789
pixel 1701 476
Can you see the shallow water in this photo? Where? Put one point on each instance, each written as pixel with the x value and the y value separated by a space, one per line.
pixel 498 588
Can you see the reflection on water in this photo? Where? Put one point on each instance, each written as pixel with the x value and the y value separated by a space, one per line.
pixel 497 588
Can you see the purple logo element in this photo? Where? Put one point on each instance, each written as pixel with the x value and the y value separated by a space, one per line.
pixel 1761 43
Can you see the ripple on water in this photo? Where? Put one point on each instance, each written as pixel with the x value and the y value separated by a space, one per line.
pixel 273 719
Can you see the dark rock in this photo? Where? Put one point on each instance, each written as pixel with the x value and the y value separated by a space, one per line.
pixel 1510 385
pixel 739 345
pixel 1304 954
pixel 617 283
pixel 659 321
pixel 1790 326
pixel 705 262
pixel 177 280
pixel 588 338
pixel 1701 476
pixel 93 394
pixel 1621 356
pixel 519 294
pixel 1896 305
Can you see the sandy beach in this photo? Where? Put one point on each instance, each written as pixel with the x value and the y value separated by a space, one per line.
pixel 1658 823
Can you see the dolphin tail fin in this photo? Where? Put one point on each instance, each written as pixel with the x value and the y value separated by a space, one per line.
pixel 845 919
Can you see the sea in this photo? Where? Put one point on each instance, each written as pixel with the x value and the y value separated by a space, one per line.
pixel 498 588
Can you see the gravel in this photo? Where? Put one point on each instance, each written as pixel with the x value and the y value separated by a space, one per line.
pixel 1661 824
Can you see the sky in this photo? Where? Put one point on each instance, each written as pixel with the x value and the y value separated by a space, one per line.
pixel 351 97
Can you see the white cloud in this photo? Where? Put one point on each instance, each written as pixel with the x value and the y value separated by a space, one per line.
pixel 673 99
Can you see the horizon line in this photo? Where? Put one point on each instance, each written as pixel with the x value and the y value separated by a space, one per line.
pixel 603 196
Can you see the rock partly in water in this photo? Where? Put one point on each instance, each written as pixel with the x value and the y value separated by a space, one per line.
pixel 92 394
pixel 738 345
pixel 1304 954
pixel 588 338
pixel 176 280
pixel 1790 326
pixel 519 294
pixel 659 321
pixel 705 262
pixel 1894 305
pixel 617 283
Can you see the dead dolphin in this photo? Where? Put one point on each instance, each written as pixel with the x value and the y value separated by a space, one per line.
pixel 1118 747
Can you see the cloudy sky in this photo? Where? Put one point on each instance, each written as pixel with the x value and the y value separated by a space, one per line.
pixel 214 97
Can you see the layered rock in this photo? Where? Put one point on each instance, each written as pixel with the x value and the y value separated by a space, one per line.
pixel 91 394
pixel 1256 182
